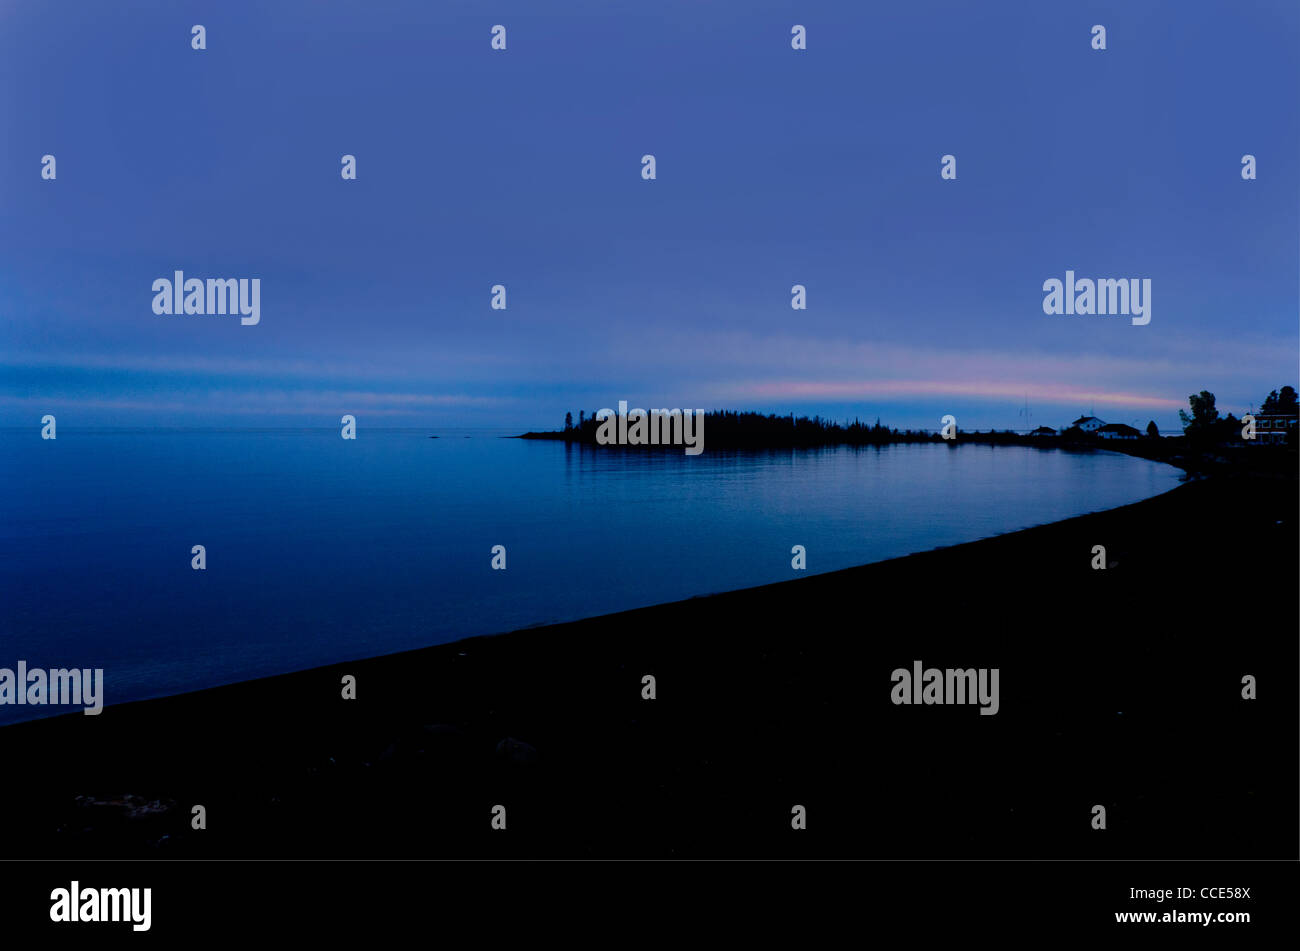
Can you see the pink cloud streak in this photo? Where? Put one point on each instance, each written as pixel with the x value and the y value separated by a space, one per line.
pixel 1043 393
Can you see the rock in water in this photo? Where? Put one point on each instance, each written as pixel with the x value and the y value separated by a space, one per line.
pixel 517 752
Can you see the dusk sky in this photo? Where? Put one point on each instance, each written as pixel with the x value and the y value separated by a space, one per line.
pixel 523 167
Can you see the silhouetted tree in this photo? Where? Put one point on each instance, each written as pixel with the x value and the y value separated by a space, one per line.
pixel 1204 415
pixel 568 422
pixel 1285 402
pixel 1152 430
pixel 1228 429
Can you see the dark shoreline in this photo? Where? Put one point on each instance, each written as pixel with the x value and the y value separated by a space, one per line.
pixel 1193 457
pixel 1119 687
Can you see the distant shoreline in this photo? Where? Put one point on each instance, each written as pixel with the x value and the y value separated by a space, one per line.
pixel 1173 450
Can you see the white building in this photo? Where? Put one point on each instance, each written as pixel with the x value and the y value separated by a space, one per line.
pixel 1089 424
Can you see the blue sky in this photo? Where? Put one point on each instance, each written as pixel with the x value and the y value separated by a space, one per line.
pixel 522 167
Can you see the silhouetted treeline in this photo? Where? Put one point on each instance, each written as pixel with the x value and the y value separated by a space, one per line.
pixel 727 428
pixel 1206 435
pixel 1205 427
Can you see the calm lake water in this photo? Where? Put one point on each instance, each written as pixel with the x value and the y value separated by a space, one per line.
pixel 322 550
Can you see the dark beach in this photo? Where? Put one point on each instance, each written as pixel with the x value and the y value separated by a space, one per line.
pixel 1119 687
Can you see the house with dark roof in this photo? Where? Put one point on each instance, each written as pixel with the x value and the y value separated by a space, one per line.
pixel 1043 431
pixel 1118 431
